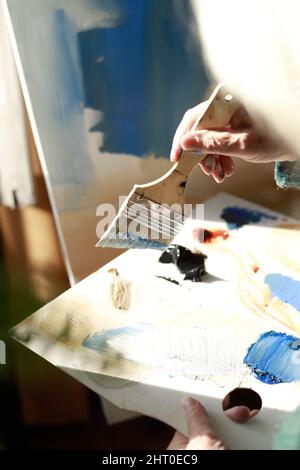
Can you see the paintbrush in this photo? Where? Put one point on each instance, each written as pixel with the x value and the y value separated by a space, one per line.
pixel 153 213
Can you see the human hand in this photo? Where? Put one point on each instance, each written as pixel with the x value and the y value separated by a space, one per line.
pixel 239 139
pixel 201 435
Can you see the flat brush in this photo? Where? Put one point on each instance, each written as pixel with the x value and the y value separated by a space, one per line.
pixel 153 213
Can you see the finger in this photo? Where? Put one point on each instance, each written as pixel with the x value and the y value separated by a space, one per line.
pixel 238 414
pixel 201 434
pixel 218 172
pixel 228 165
pixel 188 121
pixel 208 164
pixel 197 418
pixel 230 143
pixel 178 442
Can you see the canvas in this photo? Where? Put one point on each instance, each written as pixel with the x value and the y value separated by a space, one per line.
pixel 105 83
pixel 170 337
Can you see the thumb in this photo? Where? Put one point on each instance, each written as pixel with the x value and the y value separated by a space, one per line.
pixel 233 143
pixel 197 418
pixel 201 434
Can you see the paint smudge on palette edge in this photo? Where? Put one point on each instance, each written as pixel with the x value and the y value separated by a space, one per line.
pixel 284 288
pixel 275 358
pixel 236 216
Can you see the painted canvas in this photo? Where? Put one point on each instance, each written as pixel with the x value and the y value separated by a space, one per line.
pixel 106 83
pixel 143 333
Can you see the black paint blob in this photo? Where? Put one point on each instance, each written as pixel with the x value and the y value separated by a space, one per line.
pixel 192 265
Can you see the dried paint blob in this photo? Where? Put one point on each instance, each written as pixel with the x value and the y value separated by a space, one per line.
pixel 275 358
pixel 192 265
pixel 285 289
pixel 236 216
pixel 119 291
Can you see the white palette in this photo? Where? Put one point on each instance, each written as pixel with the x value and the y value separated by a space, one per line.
pixel 232 307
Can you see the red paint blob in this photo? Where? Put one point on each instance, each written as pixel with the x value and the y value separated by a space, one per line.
pixel 255 269
pixel 208 236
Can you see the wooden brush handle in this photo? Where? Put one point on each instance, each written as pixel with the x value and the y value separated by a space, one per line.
pixel 170 188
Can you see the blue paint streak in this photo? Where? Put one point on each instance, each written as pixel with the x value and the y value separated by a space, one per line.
pixel 284 288
pixel 275 358
pixel 99 341
pixel 142 73
pixel 135 241
pixel 236 216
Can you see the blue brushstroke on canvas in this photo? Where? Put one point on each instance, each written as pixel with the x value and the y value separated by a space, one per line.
pixel 142 74
pixel 284 288
pixel 275 358
pixel 236 217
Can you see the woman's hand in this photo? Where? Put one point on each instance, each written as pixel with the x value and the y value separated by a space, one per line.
pixel 239 139
pixel 200 433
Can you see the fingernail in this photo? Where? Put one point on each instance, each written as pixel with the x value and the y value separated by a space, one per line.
pixel 253 413
pixel 187 403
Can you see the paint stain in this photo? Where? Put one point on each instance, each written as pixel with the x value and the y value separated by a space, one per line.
pixel 192 265
pixel 236 217
pixel 100 341
pixel 284 288
pixel 178 350
pixel 208 236
pixel 275 358
pixel 255 269
pixel 173 281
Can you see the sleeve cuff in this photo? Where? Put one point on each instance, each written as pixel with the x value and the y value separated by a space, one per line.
pixel 287 174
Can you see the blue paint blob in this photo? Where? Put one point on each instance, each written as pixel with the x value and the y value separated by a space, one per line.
pixel 284 288
pixel 135 72
pixel 99 341
pixel 275 358
pixel 236 216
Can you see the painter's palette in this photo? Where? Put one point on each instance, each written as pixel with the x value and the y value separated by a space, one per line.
pixel 239 327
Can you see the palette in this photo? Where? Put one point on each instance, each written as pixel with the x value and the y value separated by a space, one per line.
pixel 239 327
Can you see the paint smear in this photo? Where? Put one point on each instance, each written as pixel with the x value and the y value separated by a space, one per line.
pixel 275 358
pixel 192 265
pixel 284 288
pixel 169 279
pixel 134 73
pixel 208 236
pixel 236 216
pixel 177 350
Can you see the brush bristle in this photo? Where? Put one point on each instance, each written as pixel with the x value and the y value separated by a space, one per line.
pixel 141 223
